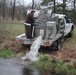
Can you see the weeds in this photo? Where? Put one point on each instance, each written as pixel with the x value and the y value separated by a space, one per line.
pixel 59 67
pixel 5 53
pixel 72 39
pixel 44 62
pixel 8 33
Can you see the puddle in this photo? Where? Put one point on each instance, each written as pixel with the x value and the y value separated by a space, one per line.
pixel 15 66
pixel 8 67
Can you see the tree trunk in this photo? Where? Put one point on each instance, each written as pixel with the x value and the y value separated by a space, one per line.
pixel 32 4
pixel 13 13
pixel 3 9
pixel 64 6
pixel 74 10
pixel 54 6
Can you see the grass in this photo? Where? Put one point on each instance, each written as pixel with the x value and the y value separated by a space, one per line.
pixel 72 39
pixel 17 29
pixel 59 67
pixel 5 53
pixel 12 30
pixel 44 62
pixel 9 32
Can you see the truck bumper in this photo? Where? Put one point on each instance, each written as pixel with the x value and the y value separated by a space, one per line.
pixel 30 41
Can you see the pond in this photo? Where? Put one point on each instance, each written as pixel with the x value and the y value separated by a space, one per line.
pixel 15 66
pixel 27 71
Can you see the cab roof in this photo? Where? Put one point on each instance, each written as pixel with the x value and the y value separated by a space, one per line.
pixel 59 15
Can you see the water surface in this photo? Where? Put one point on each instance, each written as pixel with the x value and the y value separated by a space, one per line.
pixel 16 66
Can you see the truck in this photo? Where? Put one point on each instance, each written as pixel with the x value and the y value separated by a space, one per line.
pixel 53 32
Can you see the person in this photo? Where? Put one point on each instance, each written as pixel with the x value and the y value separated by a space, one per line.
pixel 29 24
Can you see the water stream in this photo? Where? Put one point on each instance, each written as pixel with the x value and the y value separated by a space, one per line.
pixel 33 54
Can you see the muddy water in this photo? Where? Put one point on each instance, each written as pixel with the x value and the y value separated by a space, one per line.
pixel 16 66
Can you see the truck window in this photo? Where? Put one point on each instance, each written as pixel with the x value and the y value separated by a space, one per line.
pixel 66 19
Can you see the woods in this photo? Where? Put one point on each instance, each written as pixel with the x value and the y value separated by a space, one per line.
pixel 14 9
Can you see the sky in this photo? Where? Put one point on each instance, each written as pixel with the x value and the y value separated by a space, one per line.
pixel 29 1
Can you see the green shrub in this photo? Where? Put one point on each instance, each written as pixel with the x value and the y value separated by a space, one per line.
pixel 44 62
pixel 6 53
pixel 45 57
pixel 59 67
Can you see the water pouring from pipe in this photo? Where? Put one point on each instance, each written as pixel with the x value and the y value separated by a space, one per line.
pixel 33 54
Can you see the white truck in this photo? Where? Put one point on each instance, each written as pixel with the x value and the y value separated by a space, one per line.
pixel 53 32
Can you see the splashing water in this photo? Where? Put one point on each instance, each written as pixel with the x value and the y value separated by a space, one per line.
pixel 33 54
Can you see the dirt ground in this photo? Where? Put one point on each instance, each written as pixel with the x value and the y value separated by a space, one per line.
pixel 67 52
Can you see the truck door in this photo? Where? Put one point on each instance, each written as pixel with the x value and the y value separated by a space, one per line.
pixel 67 25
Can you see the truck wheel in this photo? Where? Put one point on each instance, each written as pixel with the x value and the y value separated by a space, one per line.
pixel 71 33
pixel 57 44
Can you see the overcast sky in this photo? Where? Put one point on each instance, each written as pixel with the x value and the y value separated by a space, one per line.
pixel 29 1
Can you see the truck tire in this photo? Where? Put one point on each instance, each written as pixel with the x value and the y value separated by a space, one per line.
pixel 57 45
pixel 71 33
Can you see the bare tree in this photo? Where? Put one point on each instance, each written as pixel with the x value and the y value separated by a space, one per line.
pixel 4 9
pixel 13 13
pixel 64 6
pixel 1 8
pixel 22 8
pixel 54 6
pixel 32 4
pixel 74 9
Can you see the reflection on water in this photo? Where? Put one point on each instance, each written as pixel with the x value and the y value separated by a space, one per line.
pixel 27 72
pixel 34 71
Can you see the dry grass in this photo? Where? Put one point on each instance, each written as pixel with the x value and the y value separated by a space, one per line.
pixel 11 30
pixel 9 21
pixel 8 39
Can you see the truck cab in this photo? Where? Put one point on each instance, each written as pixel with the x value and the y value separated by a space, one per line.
pixel 68 25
